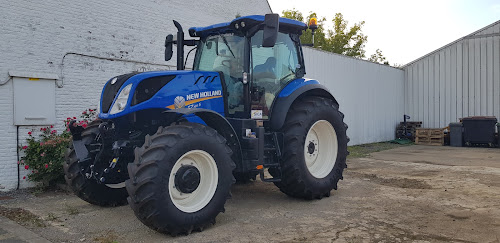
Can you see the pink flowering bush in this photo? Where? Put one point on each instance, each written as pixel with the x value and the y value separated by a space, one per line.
pixel 86 117
pixel 44 154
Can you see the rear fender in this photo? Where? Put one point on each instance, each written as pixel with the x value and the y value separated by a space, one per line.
pixel 289 95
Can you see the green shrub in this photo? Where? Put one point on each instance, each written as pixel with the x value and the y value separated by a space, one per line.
pixel 44 154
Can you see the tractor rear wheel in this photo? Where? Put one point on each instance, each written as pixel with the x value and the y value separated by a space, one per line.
pixel 181 178
pixel 88 189
pixel 315 148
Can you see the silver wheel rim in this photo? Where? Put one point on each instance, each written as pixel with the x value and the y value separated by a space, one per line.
pixel 320 149
pixel 209 177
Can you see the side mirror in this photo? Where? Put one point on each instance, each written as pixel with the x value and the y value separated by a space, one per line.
pixel 169 41
pixel 271 27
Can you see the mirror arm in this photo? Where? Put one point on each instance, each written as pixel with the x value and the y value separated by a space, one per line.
pixel 254 30
pixel 186 42
pixel 192 42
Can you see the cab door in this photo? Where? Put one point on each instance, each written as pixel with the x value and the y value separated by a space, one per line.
pixel 272 68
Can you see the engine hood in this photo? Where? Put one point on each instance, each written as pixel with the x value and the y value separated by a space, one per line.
pixel 163 90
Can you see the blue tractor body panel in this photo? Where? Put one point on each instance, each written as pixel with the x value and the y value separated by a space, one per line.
pixel 294 85
pixel 290 93
pixel 190 89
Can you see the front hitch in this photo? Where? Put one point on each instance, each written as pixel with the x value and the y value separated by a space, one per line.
pixel 78 144
pixel 103 159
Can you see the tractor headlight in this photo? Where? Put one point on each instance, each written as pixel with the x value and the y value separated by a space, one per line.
pixel 121 101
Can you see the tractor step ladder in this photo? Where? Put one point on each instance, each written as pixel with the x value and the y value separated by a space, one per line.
pixel 271 149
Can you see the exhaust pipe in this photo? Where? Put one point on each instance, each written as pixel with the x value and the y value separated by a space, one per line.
pixel 180 46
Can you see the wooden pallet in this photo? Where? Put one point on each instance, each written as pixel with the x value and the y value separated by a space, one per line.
pixel 429 136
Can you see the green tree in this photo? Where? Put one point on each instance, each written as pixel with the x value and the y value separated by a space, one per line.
pixel 349 41
pixel 378 57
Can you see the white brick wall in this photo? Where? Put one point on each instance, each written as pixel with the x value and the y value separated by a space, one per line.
pixel 37 36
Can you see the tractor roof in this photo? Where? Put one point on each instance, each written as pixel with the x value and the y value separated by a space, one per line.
pixel 287 25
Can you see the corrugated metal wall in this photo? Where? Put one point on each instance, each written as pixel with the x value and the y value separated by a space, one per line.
pixel 459 80
pixel 370 95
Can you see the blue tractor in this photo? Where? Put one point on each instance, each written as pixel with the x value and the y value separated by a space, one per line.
pixel 171 143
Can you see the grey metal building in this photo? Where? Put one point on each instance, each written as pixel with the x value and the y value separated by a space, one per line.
pixel 458 80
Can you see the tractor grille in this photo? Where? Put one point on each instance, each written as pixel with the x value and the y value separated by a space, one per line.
pixel 111 91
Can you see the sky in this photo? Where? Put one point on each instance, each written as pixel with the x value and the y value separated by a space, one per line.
pixel 404 30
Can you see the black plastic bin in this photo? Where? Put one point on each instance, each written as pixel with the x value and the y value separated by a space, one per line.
pixel 479 130
pixel 456 139
pixel 498 134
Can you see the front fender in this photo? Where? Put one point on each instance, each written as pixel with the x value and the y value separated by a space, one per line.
pixel 220 124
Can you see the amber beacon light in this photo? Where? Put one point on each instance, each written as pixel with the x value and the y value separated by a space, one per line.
pixel 313 25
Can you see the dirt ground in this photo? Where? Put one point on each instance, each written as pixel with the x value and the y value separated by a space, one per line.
pixel 408 194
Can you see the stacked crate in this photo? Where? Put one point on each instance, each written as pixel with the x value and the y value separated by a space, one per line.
pixel 411 126
pixel 429 136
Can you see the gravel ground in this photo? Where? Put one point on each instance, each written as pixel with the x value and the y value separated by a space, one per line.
pixel 407 194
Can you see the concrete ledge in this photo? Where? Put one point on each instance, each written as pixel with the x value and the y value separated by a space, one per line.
pixel 12 232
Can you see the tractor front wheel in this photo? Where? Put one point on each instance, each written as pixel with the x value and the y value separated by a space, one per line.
pixel 181 178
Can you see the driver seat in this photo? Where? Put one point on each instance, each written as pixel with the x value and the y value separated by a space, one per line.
pixel 265 76
pixel 266 70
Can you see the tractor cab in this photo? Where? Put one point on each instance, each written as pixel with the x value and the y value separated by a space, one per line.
pixel 257 57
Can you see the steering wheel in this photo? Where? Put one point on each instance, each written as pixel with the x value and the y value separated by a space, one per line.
pixel 226 63
pixel 232 63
